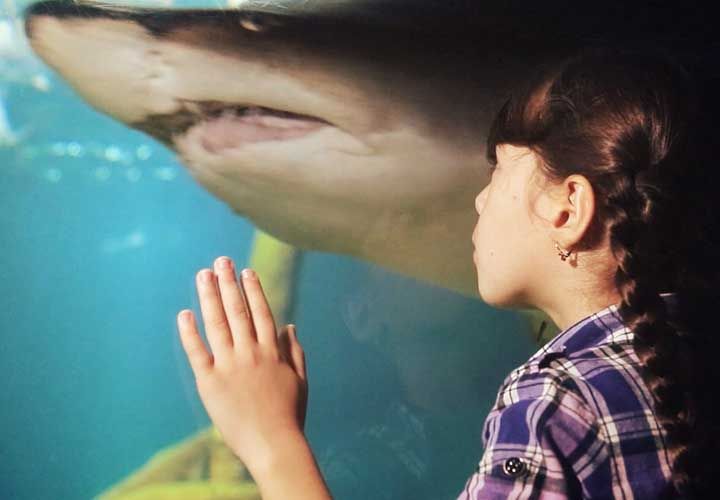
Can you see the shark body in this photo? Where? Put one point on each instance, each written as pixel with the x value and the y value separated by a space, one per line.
pixel 333 130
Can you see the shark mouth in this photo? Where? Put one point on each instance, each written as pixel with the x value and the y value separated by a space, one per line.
pixel 235 126
pixel 221 125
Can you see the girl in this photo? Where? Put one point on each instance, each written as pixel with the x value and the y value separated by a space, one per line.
pixel 595 214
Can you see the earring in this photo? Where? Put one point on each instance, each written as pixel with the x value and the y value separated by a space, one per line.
pixel 564 254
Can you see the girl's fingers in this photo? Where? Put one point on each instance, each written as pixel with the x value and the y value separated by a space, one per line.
pixel 284 346
pixel 259 310
pixel 291 351
pixel 297 354
pixel 200 360
pixel 217 328
pixel 236 308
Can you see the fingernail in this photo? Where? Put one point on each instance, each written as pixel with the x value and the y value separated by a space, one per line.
pixel 248 273
pixel 292 330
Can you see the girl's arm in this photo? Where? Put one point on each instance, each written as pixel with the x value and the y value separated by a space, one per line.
pixel 254 384
pixel 291 472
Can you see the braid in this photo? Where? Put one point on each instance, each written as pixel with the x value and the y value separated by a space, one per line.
pixel 652 182
pixel 662 351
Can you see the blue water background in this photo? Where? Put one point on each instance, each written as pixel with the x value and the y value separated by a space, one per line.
pixel 102 232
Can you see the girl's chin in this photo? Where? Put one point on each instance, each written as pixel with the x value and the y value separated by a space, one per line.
pixel 480 288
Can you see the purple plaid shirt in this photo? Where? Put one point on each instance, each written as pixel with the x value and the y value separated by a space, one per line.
pixel 575 421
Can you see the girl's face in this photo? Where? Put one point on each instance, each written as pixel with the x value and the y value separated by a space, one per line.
pixel 507 244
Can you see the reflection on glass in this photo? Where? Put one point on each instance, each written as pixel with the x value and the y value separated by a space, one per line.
pixel 336 148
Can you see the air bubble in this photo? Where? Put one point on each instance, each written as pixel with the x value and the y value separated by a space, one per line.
pixel 165 173
pixel 113 153
pixel 75 150
pixel 143 152
pixel 53 175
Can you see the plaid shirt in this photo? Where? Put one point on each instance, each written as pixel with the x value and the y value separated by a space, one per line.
pixel 575 421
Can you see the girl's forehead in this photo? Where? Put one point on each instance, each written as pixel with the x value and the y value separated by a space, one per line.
pixel 512 153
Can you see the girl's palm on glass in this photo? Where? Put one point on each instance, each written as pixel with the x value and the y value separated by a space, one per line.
pixel 253 383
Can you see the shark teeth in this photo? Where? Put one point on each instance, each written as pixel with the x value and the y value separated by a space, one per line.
pixel 228 131
pixel 252 111
pixel 263 117
pixel 282 123
pixel 250 123
pixel 251 114
pixel 269 117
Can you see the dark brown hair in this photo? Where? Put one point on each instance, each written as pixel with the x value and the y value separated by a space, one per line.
pixel 632 122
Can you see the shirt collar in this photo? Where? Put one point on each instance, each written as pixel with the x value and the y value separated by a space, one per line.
pixel 602 327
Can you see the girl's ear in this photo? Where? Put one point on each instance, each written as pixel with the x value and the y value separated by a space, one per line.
pixel 582 199
pixel 573 208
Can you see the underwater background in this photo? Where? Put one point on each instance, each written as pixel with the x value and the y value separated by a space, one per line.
pixel 102 233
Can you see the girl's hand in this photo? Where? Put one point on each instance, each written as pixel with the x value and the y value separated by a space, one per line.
pixel 254 384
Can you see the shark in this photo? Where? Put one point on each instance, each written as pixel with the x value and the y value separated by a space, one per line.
pixel 355 128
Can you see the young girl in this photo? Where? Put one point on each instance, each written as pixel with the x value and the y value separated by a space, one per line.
pixel 595 214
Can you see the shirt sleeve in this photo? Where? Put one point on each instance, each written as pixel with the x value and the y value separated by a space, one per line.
pixel 537 447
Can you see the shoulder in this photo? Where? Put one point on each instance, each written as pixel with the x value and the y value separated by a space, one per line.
pixel 546 389
pixel 598 384
pixel 609 380
pixel 541 435
pixel 600 381
pixel 533 405
pixel 563 423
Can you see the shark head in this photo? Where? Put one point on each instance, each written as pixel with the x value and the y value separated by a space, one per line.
pixel 330 130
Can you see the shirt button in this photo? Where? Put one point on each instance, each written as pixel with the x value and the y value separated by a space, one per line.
pixel 514 467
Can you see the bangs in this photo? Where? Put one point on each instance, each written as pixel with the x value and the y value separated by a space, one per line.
pixel 523 119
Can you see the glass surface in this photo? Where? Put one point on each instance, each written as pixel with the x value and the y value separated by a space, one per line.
pixel 103 229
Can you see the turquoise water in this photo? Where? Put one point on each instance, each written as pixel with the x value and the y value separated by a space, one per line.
pixel 102 234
